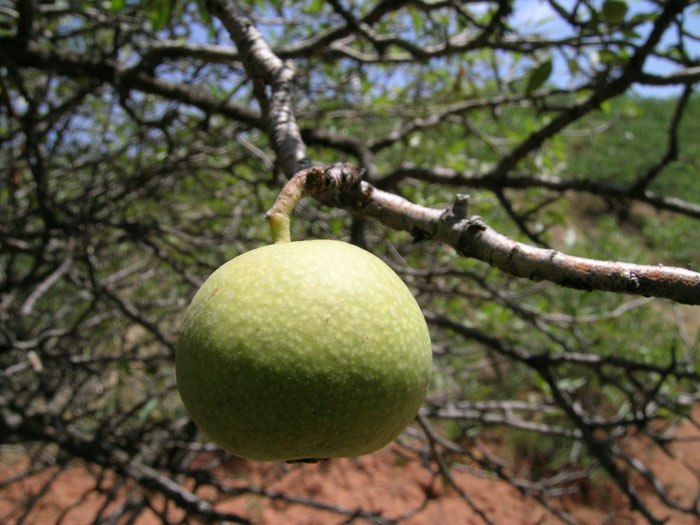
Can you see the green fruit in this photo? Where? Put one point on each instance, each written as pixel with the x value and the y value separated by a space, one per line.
pixel 614 11
pixel 302 350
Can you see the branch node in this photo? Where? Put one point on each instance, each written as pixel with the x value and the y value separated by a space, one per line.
pixel 458 210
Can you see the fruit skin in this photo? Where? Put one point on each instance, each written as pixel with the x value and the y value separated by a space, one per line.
pixel 298 350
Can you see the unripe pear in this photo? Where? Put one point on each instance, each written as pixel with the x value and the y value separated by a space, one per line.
pixel 301 350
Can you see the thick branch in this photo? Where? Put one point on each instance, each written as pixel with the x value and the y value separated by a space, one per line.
pixel 264 67
pixel 472 237
pixel 682 76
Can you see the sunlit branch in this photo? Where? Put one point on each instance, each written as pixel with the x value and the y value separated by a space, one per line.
pixel 472 237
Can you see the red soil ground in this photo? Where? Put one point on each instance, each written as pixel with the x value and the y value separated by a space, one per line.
pixel 388 482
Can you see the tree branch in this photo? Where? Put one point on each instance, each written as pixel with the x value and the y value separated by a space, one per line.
pixel 450 177
pixel 77 65
pixel 672 151
pixel 264 66
pixel 472 237
pixel 604 92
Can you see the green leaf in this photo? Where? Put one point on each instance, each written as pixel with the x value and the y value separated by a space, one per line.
pixel 453 430
pixel 205 15
pixel 610 57
pixel 542 385
pixel 314 7
pixel 124 366
pixel 539 76
pixel 417 21
pixel 642 17
pixel 116 5
pixel 148 409
pixel 631 34
pixel 160 13
pixel 573 66
pixel 614 11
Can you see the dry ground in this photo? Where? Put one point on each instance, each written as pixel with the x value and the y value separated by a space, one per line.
pixel 389 482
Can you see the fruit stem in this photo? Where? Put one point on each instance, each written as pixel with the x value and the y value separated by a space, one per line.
pixel 278 215
pixel 305 182
pixel 279 225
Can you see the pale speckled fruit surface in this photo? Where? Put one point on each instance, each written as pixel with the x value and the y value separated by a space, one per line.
pixel 309 349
